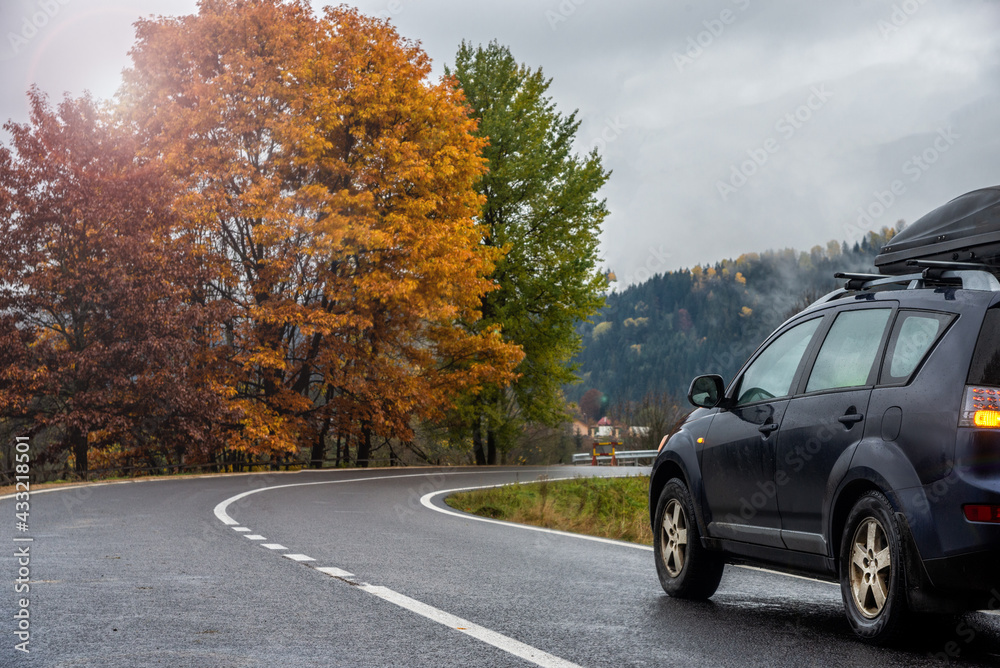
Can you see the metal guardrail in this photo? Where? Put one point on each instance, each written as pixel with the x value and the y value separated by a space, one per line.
pixel 631 456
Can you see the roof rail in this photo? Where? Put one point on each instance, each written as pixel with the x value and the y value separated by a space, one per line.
pixel 935 274
pixel 966 275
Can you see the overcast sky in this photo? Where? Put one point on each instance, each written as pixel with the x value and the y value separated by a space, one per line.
pixel 730 125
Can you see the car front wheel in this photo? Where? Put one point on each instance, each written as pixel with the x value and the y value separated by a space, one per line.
pixel 686 569
pixel 872 581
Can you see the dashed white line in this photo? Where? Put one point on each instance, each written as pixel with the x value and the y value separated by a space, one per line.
pixel 255 536
pixel 298 557
pixel 241 529
pixel 335 572
pixel 483 634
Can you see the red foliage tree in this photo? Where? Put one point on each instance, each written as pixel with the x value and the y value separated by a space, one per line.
pixel 98 335
pixel 592 404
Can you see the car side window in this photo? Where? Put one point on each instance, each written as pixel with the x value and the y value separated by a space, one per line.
pixel 913 335
pixel 772 373
pixel 849 351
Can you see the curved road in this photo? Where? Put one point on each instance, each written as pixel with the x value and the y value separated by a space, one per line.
pixel 359 568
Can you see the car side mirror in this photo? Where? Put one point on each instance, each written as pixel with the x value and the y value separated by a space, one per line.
pixel 707 391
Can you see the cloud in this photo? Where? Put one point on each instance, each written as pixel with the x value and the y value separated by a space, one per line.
pixel 672 129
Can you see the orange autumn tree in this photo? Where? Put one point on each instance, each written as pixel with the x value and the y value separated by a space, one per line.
pixel 98 334
pixel 330 188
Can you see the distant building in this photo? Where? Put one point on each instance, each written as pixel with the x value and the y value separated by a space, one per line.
pixel 605 433
pixel 604 430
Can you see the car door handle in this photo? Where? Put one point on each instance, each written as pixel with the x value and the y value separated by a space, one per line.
pixel 851 419
pixel 766 429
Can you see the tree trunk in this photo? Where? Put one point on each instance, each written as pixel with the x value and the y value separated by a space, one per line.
pixel 319 447
pixel 477 441
pixel 179 452
pixel 491 446
pixel 78 441
pixel 365 445
pixel 337 461
pixel 393 459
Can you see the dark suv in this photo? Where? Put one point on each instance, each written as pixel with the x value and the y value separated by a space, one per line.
pixel 860 443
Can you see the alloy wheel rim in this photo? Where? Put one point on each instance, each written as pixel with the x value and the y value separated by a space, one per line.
pixel 673 539
pixel 871 568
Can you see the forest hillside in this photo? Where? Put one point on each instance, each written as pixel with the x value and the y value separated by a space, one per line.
pixel 652 338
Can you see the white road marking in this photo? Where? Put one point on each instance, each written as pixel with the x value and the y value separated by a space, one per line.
pixel 500 641
pixel 255 536
pixel 298 557
pixel 220 509
pixel 274 546
pixel 240 529
pixel 140 481
pixel 426 499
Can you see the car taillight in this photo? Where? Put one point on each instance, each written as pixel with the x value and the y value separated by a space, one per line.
pixel 980 407
pixel 982 513
pixel 983 418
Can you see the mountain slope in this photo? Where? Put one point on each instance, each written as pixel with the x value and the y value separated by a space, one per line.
pixel 656 336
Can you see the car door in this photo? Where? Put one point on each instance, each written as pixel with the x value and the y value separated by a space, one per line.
pixel 826 421
pixel 738 456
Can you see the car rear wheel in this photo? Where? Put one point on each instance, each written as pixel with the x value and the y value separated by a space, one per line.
pixel 686 569
pixel 872 579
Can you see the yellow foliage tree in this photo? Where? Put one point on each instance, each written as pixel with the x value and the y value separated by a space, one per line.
pixel 330 188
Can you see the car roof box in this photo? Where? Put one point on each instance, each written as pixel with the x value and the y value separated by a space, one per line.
pixel 966 229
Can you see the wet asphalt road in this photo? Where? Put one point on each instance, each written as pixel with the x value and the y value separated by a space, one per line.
pixel 148 574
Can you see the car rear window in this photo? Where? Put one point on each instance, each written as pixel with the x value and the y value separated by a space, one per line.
pixel 985 369
pixel 913 335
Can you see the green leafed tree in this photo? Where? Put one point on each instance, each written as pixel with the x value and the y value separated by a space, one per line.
pixel 542 212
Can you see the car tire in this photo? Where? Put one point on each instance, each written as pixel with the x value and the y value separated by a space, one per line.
pixel 686 569
pixel 872 577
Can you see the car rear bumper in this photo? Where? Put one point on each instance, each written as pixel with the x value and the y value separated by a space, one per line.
pixel 961 558
pixel 975 575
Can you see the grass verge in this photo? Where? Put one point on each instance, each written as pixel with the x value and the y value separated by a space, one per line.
pixel 605 507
